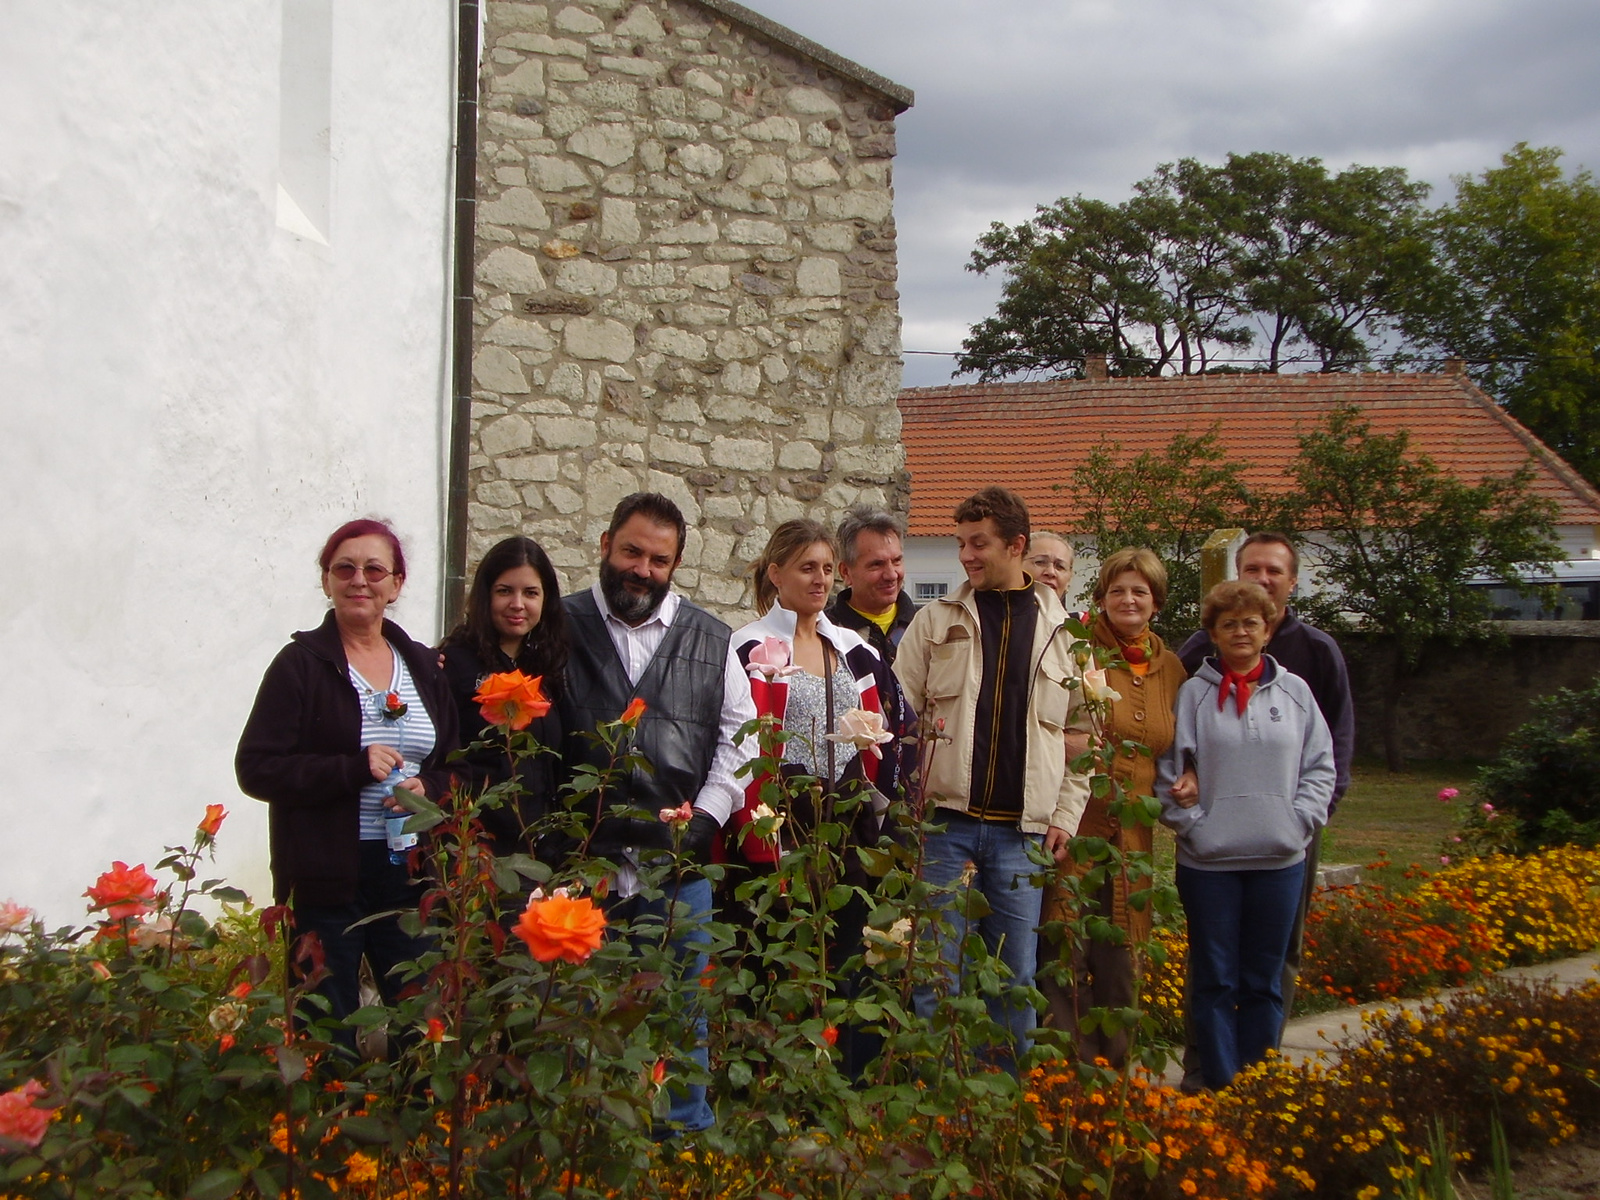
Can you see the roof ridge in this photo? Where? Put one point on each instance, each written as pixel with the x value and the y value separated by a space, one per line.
pixel 1535 444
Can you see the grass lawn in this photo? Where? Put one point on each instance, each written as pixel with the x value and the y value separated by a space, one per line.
pixel 1382 811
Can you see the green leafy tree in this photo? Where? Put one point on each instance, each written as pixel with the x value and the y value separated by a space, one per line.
pixel 1169 500
pixel 1203 264
pixel 1400 541
pixel 1518 296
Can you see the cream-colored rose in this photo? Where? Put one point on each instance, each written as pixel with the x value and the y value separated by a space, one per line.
pixel 1095 686
pixel 862 729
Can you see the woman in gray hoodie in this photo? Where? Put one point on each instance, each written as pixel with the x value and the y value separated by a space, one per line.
pixel 1245 784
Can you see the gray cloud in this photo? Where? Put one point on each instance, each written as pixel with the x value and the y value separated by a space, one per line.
pixel 1020 102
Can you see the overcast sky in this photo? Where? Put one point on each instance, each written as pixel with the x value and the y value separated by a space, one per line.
pixel 1020 102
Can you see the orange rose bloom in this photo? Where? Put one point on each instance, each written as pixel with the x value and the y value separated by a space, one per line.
pixel 213 820
pixel 511 699
pixel 631 714
pixel 560 927
pixel 123 891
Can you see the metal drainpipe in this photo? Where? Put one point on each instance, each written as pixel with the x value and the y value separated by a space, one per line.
pixel 466 203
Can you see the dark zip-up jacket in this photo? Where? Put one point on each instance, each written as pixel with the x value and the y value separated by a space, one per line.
pixel 301 753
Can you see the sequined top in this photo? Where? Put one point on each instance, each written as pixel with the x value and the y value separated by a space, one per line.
pixel 805 720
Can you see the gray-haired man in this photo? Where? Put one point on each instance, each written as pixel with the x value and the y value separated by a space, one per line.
pixel 873 566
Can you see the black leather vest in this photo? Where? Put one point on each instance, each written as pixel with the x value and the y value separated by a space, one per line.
pixel 681 688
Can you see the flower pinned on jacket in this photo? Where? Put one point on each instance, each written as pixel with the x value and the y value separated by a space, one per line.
pixel 862 729
pixel 631 714
pixel 511 699
pixel 1096 688
pixel 393 707
pixel 771 659
pixel 561 927
pixel 21 1120
pixel 681 815
pixel 14 917
pixel 123 891
pixel 1448 794
pixel 212 821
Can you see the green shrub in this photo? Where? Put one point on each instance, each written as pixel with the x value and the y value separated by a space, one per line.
pixel 1548 772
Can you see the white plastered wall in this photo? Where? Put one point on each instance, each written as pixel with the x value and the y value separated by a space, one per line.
pixel 192 396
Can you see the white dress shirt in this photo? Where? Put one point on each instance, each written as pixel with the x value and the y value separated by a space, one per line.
pixel 723 790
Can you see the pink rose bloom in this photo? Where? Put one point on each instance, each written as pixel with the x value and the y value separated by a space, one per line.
pixel 771 658
pixel 14 917
pixel 681 815
pixel 1448 794
pixel 1444 860
pixel 20 1121
pixel 862 729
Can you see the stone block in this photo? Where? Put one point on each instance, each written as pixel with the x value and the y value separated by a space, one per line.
pixel 756 233
pixel 813 173
pixel 543 43
pixel 697 232
pixel 563 499
pixel 736 343
pixel 875 463
pixel 565 119
pixel 775 367
pixel 526 80
pixel 810 102
pixel 700 158
pixel 607 483
pixel 772 129
pixel 482 516
pixel 674 488
pixel 640 24
pixel 511 270
pixel 573 19
pixel 671 450
pixel 817 277
pixel 741 454
pixel 498 493
pixel 562 71
pixel 567 381
pixel 517 207
pixel 528 467
pixel 874 205
pixel 586 277
pixel 517 16
pixel 504 435
pixel 700 81
pixel 713 278
pixel 702 314
pixel 742 379
pixel 619 221
pixel 598 338
pixel 799 456
pixel 553 174
pixel 642 68
pixel 566 433
pixel 605 94
pixel 609 144
pixel 724 508
pixel 679 343
pixel 499 370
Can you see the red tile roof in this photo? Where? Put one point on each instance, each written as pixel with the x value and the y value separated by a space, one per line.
pixel 1030 436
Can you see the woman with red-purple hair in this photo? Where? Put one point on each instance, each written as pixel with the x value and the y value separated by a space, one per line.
pixel 347 714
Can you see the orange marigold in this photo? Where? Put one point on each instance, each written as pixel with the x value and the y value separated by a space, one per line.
pixel 561 927
pixel 511 699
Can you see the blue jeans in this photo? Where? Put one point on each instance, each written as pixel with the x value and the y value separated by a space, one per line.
pixel 688 1110
pixel 1010 931
pixel 1239 928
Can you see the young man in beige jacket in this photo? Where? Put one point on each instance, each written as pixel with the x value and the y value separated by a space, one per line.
pixel 989 668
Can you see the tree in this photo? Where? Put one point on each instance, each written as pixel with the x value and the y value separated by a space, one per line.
pixel 1518 296
pixel 1171 501
pixel 1399 542
pixel 1201 264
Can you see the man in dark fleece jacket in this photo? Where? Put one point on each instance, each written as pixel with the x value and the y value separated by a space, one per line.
pixel 1272 561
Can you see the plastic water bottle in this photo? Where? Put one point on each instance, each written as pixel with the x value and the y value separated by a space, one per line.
pixel 394 824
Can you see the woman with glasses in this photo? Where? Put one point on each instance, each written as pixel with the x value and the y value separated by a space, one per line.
pixel 347 714
pixel 513 622
pixel 1261 759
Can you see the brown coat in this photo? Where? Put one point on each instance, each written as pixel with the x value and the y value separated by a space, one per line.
pixel 1144 714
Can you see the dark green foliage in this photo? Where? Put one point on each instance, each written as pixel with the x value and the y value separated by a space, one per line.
pixel 1548 772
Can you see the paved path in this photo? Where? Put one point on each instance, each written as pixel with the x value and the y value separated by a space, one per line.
pixel 1322 1033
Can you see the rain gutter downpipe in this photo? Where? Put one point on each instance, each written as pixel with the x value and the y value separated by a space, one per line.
pixel 466 204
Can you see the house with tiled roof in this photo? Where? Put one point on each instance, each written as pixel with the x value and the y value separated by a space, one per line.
pixel 1032 436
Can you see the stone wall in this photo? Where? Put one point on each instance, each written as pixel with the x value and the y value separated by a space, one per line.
pixel 1464 702
pixel 686 282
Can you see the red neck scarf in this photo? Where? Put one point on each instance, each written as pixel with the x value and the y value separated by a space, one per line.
pixel 1242 685
pixel 1135 653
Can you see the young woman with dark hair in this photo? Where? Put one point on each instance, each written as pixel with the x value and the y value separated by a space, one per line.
pixel 513 622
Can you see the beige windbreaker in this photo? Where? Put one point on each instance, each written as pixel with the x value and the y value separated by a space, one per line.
pixel 939 664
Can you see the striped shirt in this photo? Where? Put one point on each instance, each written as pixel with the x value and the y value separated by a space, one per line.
pixel 412 734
